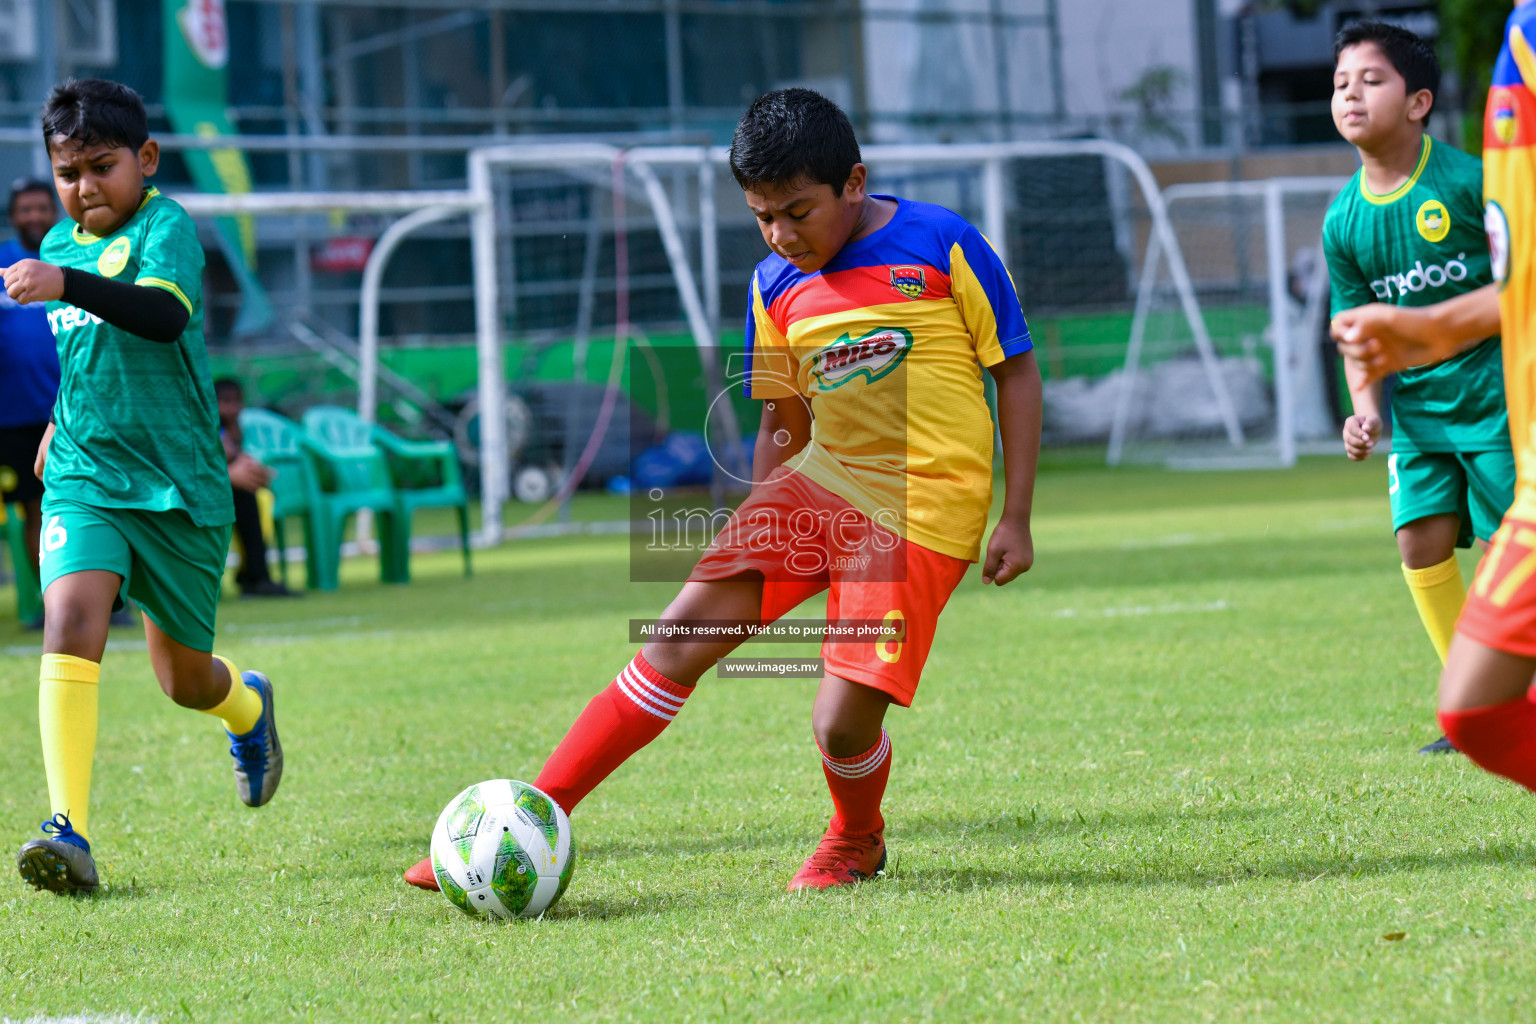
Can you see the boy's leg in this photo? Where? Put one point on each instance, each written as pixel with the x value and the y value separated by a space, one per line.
pixel 863 679
pixel 1428 549
pixel 1428 491
pixel 77 608
pixel 856 760
pixel 1485 692
pixel 242 701
pixel 644 698
pixel 1429 496
pixel 178 572
pixel 1486 709
pixel 639 703
pixel 84 561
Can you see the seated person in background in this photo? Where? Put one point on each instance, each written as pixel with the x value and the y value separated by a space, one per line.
pixel 246 477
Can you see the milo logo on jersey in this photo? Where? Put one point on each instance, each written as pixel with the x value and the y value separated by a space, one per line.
pixel 65 317
pixel 870 356
pixel 1419 277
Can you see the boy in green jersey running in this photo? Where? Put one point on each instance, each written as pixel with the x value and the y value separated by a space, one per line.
pixel 1408 230
pixel 137 497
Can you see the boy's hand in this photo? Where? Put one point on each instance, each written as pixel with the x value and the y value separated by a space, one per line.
pixel 248 474
pixel 1010 552
pixel 1384 339
pixel 34 281
pixel 42 453
pixel 1360 436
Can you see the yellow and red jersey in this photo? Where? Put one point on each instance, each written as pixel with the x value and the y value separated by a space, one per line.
pixel 1509 189
pixel 887 342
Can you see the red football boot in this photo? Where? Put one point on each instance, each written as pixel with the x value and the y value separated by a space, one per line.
pixel 422 877
pixel 841 860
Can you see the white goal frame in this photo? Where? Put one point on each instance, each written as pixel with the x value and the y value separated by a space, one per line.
pixel 699 292
pixel 1273 191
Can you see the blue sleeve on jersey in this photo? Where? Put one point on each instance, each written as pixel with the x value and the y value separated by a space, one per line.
pixel 1012 330
pixel 751 339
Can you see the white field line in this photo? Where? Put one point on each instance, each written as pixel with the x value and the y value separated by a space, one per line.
pixel 84 1018
pixel 1136 610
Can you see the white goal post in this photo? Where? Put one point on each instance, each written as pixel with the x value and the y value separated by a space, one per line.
pixel 697 290
pixel 1298 378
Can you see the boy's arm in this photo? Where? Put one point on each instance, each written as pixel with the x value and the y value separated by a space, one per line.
pixel 146 311
pixel 1348 287
pixel 783 432
pixel 1378 339
pixel 1011 550
pixel 1363 429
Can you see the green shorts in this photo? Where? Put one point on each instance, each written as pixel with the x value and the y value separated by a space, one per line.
pixel 1477 486
pixel 171 566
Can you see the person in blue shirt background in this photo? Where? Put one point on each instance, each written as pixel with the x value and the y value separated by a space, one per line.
pixel 29 359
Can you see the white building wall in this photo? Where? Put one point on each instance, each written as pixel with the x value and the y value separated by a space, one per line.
pixel 1108 45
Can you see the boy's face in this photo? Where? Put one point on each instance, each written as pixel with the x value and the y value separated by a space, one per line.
pixel 804 222
pixel 101 186
pixel 1370 98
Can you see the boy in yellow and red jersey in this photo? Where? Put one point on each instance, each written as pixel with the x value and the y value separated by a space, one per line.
pixel 874 316
pixel 1485 691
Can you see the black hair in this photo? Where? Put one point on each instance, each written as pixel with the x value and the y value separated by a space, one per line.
pixel 95 112
pixel 21 186
pixel 791 136
pixel 1410 55
pixel 228 386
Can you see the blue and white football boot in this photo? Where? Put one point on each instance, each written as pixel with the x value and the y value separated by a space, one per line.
pixel 258 754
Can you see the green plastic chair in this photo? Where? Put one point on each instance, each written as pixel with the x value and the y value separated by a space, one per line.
pixel 29 595
pixel 353 475
pixel 424 474
pixel 277 442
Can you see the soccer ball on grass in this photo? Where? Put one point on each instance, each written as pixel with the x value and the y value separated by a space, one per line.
pixel 503 849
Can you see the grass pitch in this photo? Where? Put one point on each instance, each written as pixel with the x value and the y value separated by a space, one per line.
pixel 1168 776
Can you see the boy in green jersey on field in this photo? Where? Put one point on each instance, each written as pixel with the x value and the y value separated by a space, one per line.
pixel 137 497
pixel 1408 230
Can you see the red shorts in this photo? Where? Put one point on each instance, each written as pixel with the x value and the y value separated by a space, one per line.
pixel 804 539
pixel 1501 605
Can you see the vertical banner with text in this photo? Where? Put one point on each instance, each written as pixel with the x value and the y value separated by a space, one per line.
pixel 196 101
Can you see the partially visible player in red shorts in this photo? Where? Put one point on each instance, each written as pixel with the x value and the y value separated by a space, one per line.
pixel 1485 692
pixel 873 318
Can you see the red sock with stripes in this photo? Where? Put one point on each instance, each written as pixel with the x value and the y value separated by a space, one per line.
pixel 1500 738
pixel 631 712
pixel 858 784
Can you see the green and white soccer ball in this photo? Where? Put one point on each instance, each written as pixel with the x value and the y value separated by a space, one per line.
pixel 503 849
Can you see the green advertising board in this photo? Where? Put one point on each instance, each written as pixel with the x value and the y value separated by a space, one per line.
pixel 196 102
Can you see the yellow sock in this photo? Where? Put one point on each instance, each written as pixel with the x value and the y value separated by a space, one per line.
pixel 1438 594
pixel 66 710
pixel 241 707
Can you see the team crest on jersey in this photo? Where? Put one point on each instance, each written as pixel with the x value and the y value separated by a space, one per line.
pixel 114 257
pixel 1504 123
pixel 1496 224
pixel 909 281
pixel 1433 220
pixel 870 356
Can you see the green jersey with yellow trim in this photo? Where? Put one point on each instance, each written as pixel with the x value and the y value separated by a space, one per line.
pixel 137 425
pixel 1417 245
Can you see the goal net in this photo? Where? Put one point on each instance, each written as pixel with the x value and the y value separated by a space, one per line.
pixel 1254 253
pixel 606 291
